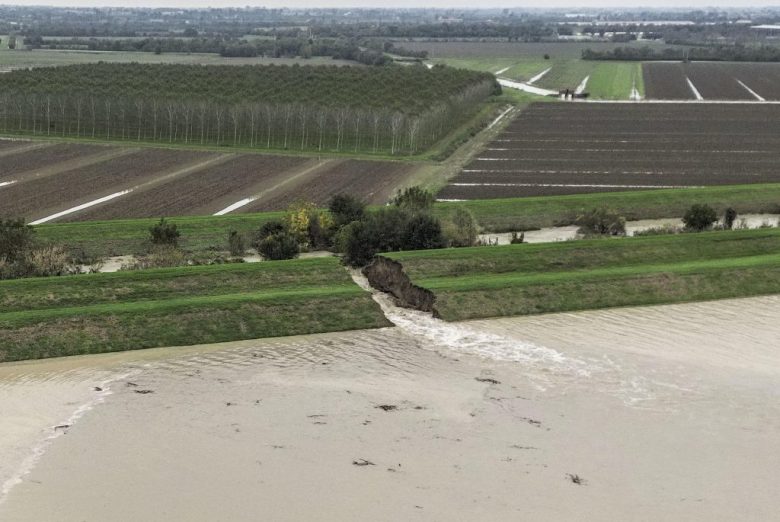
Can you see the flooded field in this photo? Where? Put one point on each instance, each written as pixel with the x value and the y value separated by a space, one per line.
pixel 630 414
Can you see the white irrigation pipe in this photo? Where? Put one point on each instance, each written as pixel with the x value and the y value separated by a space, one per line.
pixel 81 207
pixel 538 76
pixel 500 116
pixel 6 183
pixel 581 87
pixel 634 96
pixel 234 206
pixel 526 87
pixel 694 90
pixel 751 91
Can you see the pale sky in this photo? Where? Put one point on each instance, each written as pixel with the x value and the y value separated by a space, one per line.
pixel 468 4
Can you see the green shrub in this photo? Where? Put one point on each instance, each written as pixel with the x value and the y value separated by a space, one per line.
pixel 16 238
pixel 601 222
pixel 236 244
pixel 164 233
pixel 517 240
pixel 279 246
pixel 268 228
pixel 356 243
pixel 729 217
pixel 461 230
pixel 422 232
pixel 161 256
pixel 414 199
pixel 699 217
pixel 47 261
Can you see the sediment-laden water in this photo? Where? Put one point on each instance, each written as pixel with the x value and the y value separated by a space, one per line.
pixel 659 413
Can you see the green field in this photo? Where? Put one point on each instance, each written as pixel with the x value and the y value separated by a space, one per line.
pixel 522 61
pixel 209 233
pixel 528 279
pixel 51 317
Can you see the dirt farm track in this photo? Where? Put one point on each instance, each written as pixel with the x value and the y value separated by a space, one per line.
pixel 568 148
pixel 44 182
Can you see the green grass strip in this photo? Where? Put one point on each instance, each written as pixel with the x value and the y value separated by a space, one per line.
pixel 495 281
pixel 282 296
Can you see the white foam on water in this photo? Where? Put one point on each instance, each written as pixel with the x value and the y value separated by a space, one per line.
pixel 40 448
pixel 461 339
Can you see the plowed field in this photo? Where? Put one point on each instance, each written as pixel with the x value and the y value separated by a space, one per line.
pixel 578 148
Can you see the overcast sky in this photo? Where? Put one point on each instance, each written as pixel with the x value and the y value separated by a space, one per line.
pixel 397 3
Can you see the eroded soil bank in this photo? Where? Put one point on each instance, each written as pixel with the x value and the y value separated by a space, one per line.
pixel 387 275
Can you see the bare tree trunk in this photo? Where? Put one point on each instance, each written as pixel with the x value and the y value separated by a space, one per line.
pixel 139 106
pixel 108 119
pixel 48 115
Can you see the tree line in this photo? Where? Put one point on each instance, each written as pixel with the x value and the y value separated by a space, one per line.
pixel 105 107
pixel 290 47
pixel 725 53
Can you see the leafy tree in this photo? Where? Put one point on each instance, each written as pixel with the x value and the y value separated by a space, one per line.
pixel 165 233
pixel 422 232
pixel 700 217
pixel 355 241
pixel 345 208
pixel 601 222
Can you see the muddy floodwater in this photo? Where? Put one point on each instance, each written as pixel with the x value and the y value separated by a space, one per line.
pixel 656 413
pixel 568 233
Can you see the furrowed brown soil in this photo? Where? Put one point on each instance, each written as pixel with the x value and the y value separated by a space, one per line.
pixel 578 148
pixel 372 181
pixel 716 81
pixel 55 157
pixel 713 80
pixel 666 81
pixel 199 191
pixel 44 196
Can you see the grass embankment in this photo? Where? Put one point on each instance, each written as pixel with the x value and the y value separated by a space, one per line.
pixel 515 214
pixel 483 282
pixel 51 317
pixel 131 236
pixel 204 233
